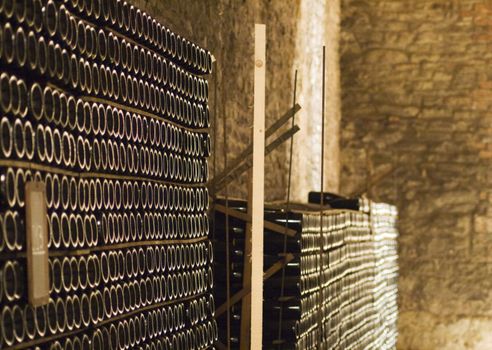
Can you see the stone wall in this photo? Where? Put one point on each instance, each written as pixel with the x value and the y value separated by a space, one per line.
pixel 417 94
pixel 318 24
pixel 226 29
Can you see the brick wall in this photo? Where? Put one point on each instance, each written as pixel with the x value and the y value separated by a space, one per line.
pixel 417 94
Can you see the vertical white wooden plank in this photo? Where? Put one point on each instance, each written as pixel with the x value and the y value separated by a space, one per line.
pixel 257 195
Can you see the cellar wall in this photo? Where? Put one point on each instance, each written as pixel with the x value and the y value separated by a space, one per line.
pixel 294 41
pixel 416 85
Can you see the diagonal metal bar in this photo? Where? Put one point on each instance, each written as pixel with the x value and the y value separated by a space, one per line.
pixel 234 173
pixel 249 150
pixel 282 120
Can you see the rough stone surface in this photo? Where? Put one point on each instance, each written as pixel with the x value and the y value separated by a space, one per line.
pixel 417 94
pixel 226 29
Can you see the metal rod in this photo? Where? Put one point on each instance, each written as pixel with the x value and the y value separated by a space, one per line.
pixel 247 152
pixel 246 165
pixel 321 268
pixel 287 208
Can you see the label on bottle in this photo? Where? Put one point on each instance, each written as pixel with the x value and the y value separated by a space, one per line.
pixel 37 244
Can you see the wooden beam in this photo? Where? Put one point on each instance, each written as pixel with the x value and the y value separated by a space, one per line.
pixel 257 193
pixel 233 300
pixel 278 266
pixel 246 289
pixel 246 218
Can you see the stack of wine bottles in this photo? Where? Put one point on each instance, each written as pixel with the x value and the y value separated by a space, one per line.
pixel 339 290
pixel 108 108
pixel 383 224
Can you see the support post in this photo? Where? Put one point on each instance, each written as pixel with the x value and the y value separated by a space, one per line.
pixel 256 196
